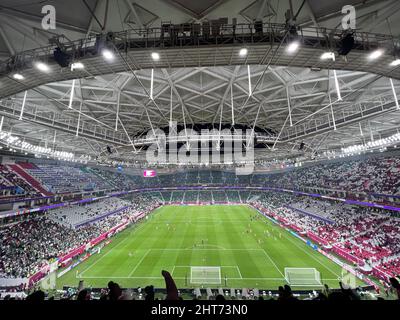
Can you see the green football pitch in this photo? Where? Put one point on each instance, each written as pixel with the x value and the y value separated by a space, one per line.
pixel 250 250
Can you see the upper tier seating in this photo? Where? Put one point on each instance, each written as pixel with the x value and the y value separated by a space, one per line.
pixel 62 179
pixel 11 178
pixel 374 175
pixel 30 179
pixel 77 214
pixel 371 175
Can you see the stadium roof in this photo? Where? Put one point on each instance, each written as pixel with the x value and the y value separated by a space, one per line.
pixel 294 96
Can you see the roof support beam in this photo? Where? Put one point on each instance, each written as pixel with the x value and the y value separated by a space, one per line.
pixel 135 14
pixel 7 42
pixel 167 76
pixel 92 13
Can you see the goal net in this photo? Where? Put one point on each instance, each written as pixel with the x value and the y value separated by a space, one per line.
pixel 205 275
pixel 303 277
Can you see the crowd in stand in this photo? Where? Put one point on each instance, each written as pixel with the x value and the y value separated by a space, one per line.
pixel 55 179
pixel 314 206
pixel 10 178
pixel 369 175
pixel 368 234
pixel 25 246
pixel 205 196
pixel 77 214
pixel 62 179
pixel 116 179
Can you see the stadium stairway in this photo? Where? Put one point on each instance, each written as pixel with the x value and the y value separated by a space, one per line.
pixel 28 178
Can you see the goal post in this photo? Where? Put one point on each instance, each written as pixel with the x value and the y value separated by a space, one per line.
pixel 306 277
pixel 205 275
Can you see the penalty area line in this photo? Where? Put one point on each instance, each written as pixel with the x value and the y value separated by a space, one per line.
pixel 111 249
pixel 140 261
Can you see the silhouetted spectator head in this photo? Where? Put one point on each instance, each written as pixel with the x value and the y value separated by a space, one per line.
pixel 36 296
pixel 149 290
pixel 110 285
pixel 219 297
pixel 395 284
pixel 83 295
pixel 350 293
pixel 115 291
pixel 281 293
pixel 288 289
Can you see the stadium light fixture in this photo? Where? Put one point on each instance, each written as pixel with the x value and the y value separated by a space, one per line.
pixel 328 55
pixel 42 66
pixel 375 54
pixel 77 65
pixel 293 47
pixel 108 55
pixel 155 56
pixel 395 63
pixel 18 76
pixel 243 52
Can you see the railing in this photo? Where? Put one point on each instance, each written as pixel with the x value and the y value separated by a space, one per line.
pixel 64 123
pixel 206 188
pixel 186 35
pixel 347 115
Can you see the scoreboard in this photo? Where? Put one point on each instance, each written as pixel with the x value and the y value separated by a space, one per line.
pixel 149 173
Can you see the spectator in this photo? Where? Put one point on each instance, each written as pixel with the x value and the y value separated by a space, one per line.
pixel 172 290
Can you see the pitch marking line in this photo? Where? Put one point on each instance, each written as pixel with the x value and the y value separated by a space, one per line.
pixel 289 237
pixel 94 263
pixel 272 261
pixel 311 256
pixel 233 267
pixel 206 266
pixel 183 278
pixel 110 250
pixel 137 265
pixel 207 246
pixel 208 249
pixel 240 274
